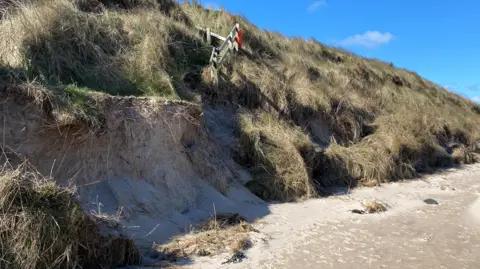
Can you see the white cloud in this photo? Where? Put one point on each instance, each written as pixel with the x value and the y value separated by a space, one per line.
pixel 369 39
pixel 476 99
pixel 316 5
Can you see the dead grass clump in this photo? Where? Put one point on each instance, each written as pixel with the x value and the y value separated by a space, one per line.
pixel 377 158
pixel 218 234
pixel 462 155
pixel 374 206
pixel 41 226
pixel 362 163
pixel 222 221
pixel 404 143
pixel 273 151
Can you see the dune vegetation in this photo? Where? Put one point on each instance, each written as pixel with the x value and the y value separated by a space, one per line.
pixel 42 226
pixel 308 116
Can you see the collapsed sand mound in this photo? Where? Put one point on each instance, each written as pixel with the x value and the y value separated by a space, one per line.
pixel 150 165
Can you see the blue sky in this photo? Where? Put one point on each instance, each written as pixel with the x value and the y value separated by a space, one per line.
pixel 440 40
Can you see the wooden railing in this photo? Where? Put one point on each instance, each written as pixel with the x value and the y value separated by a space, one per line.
pixel 230 44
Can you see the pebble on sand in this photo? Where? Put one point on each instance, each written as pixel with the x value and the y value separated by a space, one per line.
pixel 430 201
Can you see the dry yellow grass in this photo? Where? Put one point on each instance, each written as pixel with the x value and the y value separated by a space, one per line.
pixel 374 206
pixel 462 155
pixel 381 123
pixel 277 154
pixel 41 226
pixel 217 235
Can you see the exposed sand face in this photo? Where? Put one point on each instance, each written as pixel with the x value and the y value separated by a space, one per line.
pixel 324 233
pixel 152 167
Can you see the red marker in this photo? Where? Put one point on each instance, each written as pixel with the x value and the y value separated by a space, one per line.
pixel 239 38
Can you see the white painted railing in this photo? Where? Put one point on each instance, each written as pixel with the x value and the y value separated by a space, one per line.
pixel 231 43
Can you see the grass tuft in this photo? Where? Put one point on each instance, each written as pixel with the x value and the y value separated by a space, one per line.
pixel 462 155
pixel 273 150
pixel 374 206
pixel 41 226
pixel 217 235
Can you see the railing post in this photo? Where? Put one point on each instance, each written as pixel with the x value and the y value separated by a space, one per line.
pixel 209 37
pixel 233 42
